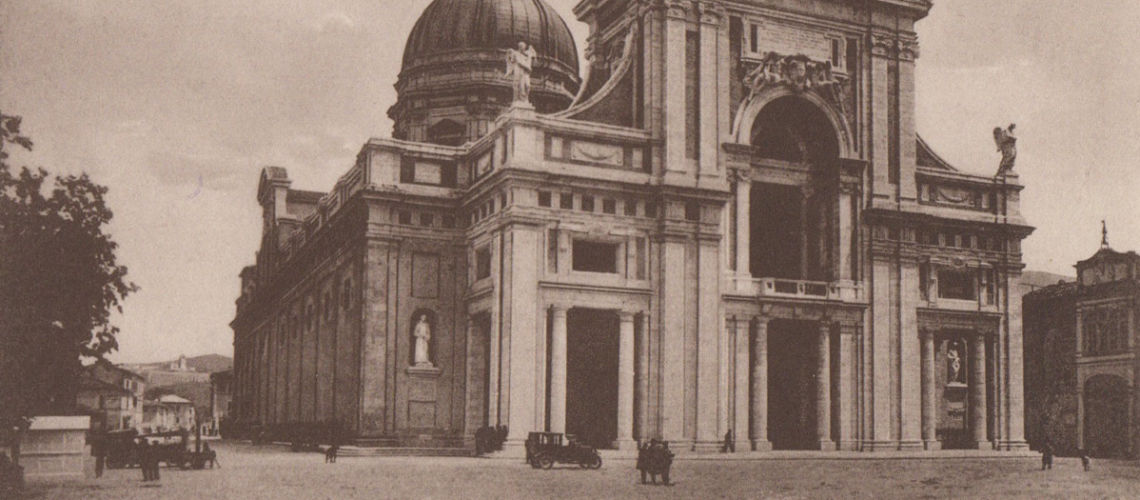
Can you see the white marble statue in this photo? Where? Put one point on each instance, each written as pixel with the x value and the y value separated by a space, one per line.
pixel 520 62
pixel 955 363
pixel 1006 143
pixel 422 334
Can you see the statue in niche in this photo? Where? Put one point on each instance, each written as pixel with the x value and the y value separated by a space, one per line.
pixel 1007 144
pixel 422 334
pixel 520 62
pixel 954 363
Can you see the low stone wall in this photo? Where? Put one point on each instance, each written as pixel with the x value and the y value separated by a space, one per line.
pixel 55 448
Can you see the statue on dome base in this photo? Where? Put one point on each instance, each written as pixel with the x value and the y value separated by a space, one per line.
pixel 520 62
pixel 1007 144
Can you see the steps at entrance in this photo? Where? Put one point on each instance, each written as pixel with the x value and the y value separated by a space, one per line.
pixel 401 451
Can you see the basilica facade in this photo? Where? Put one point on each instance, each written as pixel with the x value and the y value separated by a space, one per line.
pixel 730 226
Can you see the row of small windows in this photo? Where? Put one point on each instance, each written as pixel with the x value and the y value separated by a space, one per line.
pixel 424 219
pixel 589 203
pixel 309 317
pixel 951 239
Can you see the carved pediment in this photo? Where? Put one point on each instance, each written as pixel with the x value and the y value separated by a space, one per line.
pixel 801 74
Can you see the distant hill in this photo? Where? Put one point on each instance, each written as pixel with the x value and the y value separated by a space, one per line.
pixel 210 363
pixel 1032 280
pixel 206 363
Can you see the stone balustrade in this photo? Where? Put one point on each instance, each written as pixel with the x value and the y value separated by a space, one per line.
pixel 839 291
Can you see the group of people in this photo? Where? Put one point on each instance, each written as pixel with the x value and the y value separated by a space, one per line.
pixel 654 459
pixel 488 439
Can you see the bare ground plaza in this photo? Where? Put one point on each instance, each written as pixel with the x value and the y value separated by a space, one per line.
pixel 250 472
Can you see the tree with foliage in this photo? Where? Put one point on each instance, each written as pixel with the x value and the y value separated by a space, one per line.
pixel 59 283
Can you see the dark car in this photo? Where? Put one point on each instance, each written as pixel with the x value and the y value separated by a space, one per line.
pixel 544 449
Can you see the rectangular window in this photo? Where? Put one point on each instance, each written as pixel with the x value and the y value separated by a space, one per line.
pixel 483 263
pixel 631 207
pixel 609 206
pixel 836 53
pixel 692 211
pixel 651 209
pixel 852 55
pixel 544 198
pixel 405 218
pixel 407 170
pixel 552 251
pixel 566 201
pixel 587 203
pixel 595 257
pixel 449 221
pixel 427 220
pixel 956 285
pixel 753 38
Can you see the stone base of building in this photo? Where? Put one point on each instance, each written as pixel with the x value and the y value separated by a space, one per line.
pixel 982 445
pixel 704 446
pixel 880 446
pixel 1013 445
pixel 825 446
pixel 848 445
pixel 933 445
pixel 911 445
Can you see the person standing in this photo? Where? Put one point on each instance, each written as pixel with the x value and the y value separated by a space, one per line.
pixel 98 448
pixel 1047 456
pixel 1086 460
pixel 729 443
pixel 143 454
pixel 666 461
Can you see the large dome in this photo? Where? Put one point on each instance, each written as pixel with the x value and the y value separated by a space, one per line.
pixel 457 25
pixel 453 83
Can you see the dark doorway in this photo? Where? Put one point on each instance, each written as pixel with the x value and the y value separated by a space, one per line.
pixel 1106 416
pixel 591 376
pixel 777 242
pixel 791 384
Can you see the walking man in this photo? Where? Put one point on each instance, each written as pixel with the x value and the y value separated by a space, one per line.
pixel 729 443
pixel 1047 456
pixel 144 459
pixel 642 451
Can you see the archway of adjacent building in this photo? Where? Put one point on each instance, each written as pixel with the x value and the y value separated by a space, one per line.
pixel 792 351
pixel 592 376
pixel 1106 420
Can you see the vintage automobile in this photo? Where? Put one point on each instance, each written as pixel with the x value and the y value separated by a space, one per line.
pixel 544 449
pixel 175 448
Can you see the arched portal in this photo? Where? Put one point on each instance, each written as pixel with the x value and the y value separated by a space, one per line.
pixel 793 129
pixel 1105 424
pixel 793 204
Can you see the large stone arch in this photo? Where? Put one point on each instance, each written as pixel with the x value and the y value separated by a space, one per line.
pixel 750 110
pixel 1105 423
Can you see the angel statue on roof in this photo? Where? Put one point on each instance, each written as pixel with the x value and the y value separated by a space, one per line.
pixel 1007 144
pixel 520 62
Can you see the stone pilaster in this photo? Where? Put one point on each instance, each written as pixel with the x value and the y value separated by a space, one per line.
pixel 625 382
pixel 743 228
pixel 929 393
pixel 558 369
pixel 978 391
pixel 741 382
pixel 823 388
pixel 759 430
pixel 642 395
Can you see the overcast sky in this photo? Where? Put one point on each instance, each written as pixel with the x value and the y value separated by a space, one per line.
pixel 177 104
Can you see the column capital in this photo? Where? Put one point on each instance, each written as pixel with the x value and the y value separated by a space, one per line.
pixel 626 316
pixel 559 308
